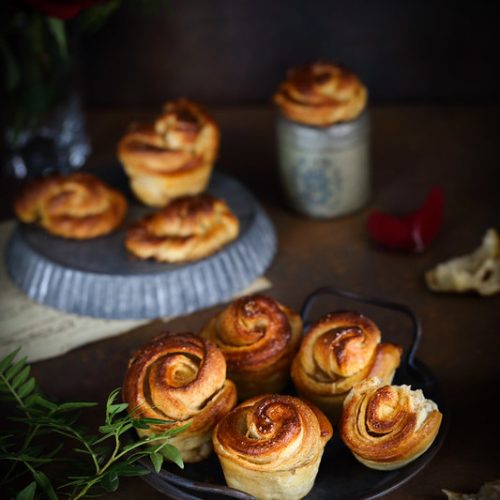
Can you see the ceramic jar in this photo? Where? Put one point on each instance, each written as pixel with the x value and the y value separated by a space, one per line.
pixel 325 171
pixel 323 139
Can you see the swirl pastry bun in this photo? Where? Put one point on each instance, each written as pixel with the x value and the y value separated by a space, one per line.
pixel 341 349
pixel 258 337
pixel 77 206
pixel 187 229
pixel 181 378
pixel 387 426
pixel 173 156
pixel 271 446
pixel 321 94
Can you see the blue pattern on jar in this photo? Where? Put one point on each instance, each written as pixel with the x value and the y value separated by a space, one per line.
pixel 318 181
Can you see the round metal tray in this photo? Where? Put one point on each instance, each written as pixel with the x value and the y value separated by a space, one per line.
pixel 340 475
pixel 99 278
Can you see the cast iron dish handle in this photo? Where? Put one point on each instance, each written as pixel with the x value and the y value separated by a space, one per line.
pixel 410 360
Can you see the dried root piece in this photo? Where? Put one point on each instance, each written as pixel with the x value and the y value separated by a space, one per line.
pixel 477 271
pixel 490 490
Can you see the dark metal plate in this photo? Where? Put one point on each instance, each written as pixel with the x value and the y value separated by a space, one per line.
pixel 99 278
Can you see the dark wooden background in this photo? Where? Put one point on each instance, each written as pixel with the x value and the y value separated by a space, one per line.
pixel 237 51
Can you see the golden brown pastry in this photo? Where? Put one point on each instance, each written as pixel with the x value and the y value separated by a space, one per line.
pixel 340 350
pixel 187 229
pixel 77 206
pixel 173 156
pixel 387 426
pixel 180 378
pixel 271 446
pixel 321 94
pixel 258 337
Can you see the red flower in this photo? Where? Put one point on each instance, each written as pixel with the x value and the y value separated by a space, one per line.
pixel 413 232
pixel 62 9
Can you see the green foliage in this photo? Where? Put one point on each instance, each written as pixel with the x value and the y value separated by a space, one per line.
pixel 56 27
pixel 94 18
pixel 96 463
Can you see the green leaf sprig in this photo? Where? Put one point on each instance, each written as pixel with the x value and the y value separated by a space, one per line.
pixel 82 464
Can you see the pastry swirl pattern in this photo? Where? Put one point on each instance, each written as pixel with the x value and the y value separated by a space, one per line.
pixel 321 94
pixel 181 378
pixel 339 350
pixel 270 446
pixel 171 157
pixel 77 206
pixel 388 426
pixel 258 337
pixel 189 228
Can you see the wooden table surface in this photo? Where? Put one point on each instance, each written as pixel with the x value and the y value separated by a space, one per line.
pixel 414 148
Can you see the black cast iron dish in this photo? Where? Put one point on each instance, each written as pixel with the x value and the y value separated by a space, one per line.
pixel 340 476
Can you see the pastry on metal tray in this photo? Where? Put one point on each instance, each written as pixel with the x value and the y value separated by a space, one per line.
pixel 339 350
pixel 76 206
pixel 187 229
pixel 180 378
pixel 388 426
pixel 259 338
pixel 171 157
pixel 271 446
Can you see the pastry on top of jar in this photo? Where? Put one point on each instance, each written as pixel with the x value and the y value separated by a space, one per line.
pixel 321 94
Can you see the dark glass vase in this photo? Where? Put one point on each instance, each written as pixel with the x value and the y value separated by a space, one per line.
pixel 44 125
pixel 54 142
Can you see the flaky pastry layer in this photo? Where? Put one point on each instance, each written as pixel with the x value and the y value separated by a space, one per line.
pixel 76 206
pixel 388 426
pixel 270 446
pixel 173 156
pixel 180 377
pixel 339 350
pixel 321 94
pixel 187 229
pixel 259 338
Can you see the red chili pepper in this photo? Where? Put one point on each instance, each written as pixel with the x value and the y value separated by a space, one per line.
pixel 413 232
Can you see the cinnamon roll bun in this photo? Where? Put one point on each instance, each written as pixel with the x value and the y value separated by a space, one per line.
pixel 321 94
pixel 387 426
pixel 271 446
pixel 188 228
pixel 173 156
pixel 340 350
pixel 181 378
pixel 258 337
pixel 77 206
